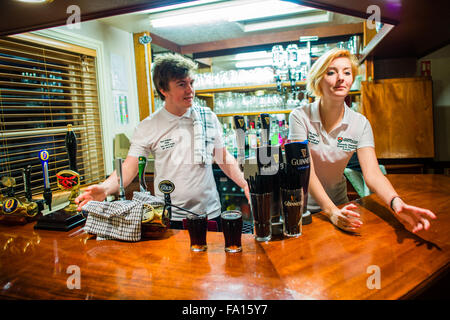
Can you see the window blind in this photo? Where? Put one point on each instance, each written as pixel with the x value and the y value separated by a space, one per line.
pixel 42 90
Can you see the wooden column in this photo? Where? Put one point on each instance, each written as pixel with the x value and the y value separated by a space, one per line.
pixel 144 84
pixel 368 35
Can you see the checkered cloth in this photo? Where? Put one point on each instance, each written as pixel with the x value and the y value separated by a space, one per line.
pixel 118 220
pixel 204 134
pixel 147 198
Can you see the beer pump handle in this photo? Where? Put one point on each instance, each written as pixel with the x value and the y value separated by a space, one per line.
pixel 265 129
pixel 26 174
pixel 142 165
pixel 44 156
pixel 120 178
pixel 239 128
pixel 71 147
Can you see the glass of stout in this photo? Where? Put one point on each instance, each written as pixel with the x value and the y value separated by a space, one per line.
pixel 197 226
pixel 232 230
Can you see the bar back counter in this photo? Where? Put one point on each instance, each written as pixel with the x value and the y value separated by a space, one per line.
pixel 383 261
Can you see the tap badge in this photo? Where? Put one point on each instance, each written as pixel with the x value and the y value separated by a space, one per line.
pixel 67 179
pixel 10 205
pixel 166 186
pixel 43 155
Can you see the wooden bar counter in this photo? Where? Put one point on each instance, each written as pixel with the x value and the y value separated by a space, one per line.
pixel 324 263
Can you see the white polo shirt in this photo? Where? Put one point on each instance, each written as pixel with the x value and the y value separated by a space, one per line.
pixel 330 151
pixel 171 141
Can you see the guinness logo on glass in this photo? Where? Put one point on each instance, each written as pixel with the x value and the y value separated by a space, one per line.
pixel 299 162
pixel 303 153
pixel 292 203
pixel 166 186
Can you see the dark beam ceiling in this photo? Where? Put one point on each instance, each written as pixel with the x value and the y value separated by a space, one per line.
pixel 420 26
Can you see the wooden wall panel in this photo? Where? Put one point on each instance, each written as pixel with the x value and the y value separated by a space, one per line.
pixel 401 114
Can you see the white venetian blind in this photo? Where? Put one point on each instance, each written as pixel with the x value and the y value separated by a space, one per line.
pixel 42 90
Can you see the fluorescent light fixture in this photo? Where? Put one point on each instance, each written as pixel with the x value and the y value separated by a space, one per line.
pixel 254 63
pixel 35 1
pixel 180 6
pixel 185 19
pixel 283 23
pixel 266 10
pixel 253 55
pixel 227 11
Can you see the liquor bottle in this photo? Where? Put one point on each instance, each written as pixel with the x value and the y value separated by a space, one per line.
pixel 252 142
pixel 284 133
pixel 230 141
pixel 275 134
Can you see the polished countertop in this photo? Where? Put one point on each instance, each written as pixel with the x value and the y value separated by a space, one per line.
pixel 382 261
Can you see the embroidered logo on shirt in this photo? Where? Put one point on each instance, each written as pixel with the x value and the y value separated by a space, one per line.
pixel 166 144
pixel 313 138
pixel 346 144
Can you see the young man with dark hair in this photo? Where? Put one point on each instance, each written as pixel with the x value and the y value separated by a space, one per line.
pixel 184 140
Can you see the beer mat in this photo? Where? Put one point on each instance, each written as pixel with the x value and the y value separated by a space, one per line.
pixel 117 220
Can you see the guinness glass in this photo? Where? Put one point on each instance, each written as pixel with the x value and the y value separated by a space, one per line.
pixel 197 226
pixel 232 230
pixel 261 207
pixel 292 203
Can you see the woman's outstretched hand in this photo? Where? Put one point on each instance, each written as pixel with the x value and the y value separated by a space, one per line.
pixel 345 218
pixel 413 218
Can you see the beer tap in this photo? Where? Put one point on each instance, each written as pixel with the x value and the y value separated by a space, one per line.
pixel 70 179
pixel 26 175
pixel 44 156
pixel 68 217
pixel 120 178
pixel 142 165
pixel 71 147
pixel 265 129
pixel 239 128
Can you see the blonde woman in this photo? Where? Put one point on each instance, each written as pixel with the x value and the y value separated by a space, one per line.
pixel 335 132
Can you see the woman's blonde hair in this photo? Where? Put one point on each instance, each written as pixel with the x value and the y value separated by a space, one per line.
pixel 320 67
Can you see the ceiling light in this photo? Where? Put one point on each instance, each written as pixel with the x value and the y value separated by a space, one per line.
pixel 266 10
pixel 226 11
pixel 179 6
pixel 275 24
pixel 253 55
pixel 36 1
pixel 254 63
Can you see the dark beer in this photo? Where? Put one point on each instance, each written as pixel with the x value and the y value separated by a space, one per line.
pixel 197 227
pixel 292 202
pixel 261 207
pixel 232 230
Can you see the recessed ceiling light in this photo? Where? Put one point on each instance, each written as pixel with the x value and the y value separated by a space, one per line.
pixel 288 22
pixel 36 1
pixel 227 11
